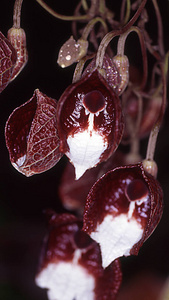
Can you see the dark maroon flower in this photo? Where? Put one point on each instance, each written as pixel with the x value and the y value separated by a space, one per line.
pixel 122 210
pixel 31 135
pixel 89 121
pixel 70 265
pixel 8 57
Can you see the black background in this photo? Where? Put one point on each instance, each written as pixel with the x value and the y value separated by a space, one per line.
pixel 22 200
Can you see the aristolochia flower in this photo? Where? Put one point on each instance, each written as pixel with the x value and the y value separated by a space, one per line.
pixel 86 124
pixel 122 210
pixel 70 265
pixel 89 121
pixel 31 135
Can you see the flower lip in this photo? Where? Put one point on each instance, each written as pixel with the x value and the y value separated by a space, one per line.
pixel 94 101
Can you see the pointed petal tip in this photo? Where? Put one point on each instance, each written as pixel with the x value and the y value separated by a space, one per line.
pixel 79 171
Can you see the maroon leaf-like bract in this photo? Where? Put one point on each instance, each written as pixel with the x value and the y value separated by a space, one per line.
pixel 90 122
pixel 70 256
pixel 8 57
pixel 31 135
pixel 123 208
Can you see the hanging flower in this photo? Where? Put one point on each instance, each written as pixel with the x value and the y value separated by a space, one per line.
pixel 122 210
pixel 70 264
pixel 31 135
pixel 89 121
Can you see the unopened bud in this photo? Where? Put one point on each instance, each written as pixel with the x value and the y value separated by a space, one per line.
pixel 71 52
pixel 122 65
pixel 17 38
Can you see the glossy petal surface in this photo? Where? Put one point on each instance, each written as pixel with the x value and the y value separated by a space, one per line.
pixel 118 223
pixel 31 135
pixel 89 136
pixel 70 258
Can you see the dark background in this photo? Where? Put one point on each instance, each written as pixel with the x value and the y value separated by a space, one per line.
pixel 22 200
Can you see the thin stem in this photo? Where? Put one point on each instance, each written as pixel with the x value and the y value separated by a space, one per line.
pixel 84 4
pixel 90 26
pixel 160 28
pixel 109 36
pixel 154 133
pixel 102 7
pixel 93 8
pixel 127 16
pixel 74 23
pixel 125 19
pixel 62 17
pixel 121 46
pixel 79 68
pixel 17 13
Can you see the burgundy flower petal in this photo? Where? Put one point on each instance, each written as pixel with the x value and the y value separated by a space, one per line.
pixel 108 285
pixel 122 210
pixel 8 57
pixel 70 265
pixel 31 135
pixel 89 120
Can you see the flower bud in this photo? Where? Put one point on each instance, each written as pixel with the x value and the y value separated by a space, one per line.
pixel 17 37
pixel 8 57
pixel 122 210
pixel 122 64
pixel 31 135
pixel 72 51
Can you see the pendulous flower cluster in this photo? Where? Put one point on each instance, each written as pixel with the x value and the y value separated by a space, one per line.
pixel 116 196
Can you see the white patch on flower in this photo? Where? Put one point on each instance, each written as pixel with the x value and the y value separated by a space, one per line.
pixel 67 281
pixel 20 161
pixel 116 236
pixel 85 148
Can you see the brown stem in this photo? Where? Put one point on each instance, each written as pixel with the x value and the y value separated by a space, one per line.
pixel 109 36
pixel 84 4
pixel 160 28
pixel 17 13
pixel 102 7
pixel 154 133
pixel 125 19
pixel 120 50
pixel 60 16
pixel 90 26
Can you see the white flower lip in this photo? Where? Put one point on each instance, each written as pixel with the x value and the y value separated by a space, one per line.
pixel 85 148
pixel 67 280
pixel 117 236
